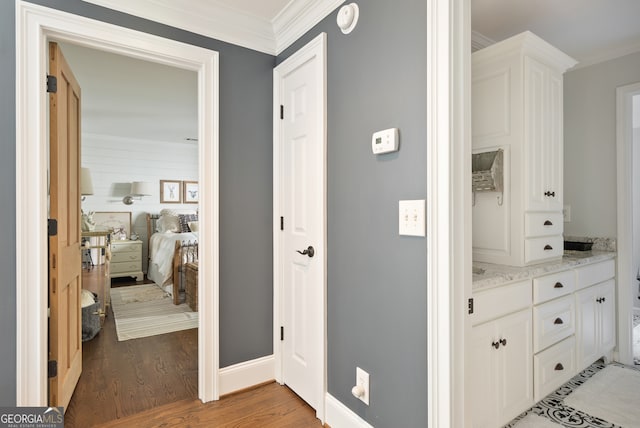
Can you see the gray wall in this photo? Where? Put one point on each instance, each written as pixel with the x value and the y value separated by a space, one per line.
pixel 590 144
pixel 376 279
pixel 7 209
pixel 246 296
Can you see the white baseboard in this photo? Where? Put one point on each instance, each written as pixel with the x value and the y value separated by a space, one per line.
pixel 337 415
pixel 246 374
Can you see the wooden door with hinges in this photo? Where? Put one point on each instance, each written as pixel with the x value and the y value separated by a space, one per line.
pixel 65 262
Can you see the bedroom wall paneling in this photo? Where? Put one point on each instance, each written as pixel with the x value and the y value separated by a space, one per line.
pixel 376 311
pixel 115 162
pixel 7 208
pixel 245 199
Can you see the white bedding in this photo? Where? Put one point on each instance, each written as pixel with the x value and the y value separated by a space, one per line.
pixel 161 249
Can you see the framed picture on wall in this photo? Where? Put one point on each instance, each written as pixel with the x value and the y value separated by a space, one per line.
pixel 190 192
pixel 117 222
pixel 170 192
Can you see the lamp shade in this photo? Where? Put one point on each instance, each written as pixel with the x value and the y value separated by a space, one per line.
pixel 141 188
pixel 86 185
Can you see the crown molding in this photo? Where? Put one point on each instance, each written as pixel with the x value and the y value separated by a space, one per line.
pixel 480 41
pixel 215 21
pixel 230 25
pixel 298 17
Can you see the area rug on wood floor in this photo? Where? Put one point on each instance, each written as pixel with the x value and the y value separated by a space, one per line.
pixel 610 401
pixel 146 310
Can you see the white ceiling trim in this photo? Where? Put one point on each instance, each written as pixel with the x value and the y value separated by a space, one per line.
pixel 298 17
pixel 226 24
pixel 230 25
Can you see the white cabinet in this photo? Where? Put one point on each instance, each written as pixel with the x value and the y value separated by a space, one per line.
pixel 126 259
pixel 596 322
pixel 501 369
pixel 517 107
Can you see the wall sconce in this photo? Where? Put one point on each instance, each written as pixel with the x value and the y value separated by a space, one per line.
pixel 138 190
pixel 86 184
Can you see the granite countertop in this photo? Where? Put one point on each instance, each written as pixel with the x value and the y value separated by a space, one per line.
pixel 489 275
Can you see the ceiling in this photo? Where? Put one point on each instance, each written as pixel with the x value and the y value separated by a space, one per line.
pixel 590 31
pixel 134 99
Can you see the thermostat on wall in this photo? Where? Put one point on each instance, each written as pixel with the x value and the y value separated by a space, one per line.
pixel 385 141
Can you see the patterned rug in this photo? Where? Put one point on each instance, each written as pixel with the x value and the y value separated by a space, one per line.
pixel 555 410
pixel 146 310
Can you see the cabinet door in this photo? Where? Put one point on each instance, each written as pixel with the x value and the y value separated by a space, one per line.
pixel 607 321
pixel 543 136
pixel 516 368
pixel 587 327
pixel 483 376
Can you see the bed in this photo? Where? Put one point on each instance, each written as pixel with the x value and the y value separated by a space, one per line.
pixel 173 242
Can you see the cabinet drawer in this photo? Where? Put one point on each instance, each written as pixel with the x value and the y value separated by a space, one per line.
pixel 552 286
pixel 553 367
pixel 595 273
pixel 125 257
pixel 552 322
pixel 540 249
pixel 125 247
pixel 126 267
pixel 543 224
pixel 494 303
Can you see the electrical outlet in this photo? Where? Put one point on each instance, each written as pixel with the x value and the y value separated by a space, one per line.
pixel 566 213
pixel 411 221
pixel 361 390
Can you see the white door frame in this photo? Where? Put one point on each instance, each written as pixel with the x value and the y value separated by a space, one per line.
pixel 35 26
pixel 626 191
pixel 316 48
pixel 448 208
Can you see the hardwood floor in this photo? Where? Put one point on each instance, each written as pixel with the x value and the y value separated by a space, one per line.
pixel 267 406
pixel 153 381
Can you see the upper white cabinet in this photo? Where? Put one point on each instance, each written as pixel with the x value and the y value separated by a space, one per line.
pixel 517 108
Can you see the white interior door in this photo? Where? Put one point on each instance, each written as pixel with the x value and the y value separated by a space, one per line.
pixel 300 235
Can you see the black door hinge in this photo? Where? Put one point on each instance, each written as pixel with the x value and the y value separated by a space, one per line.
pixel 52 226
pixel 281 333
pixel 281 223
pixel 52 84
pixel 471 306
pixel 281 111
pixel 52 368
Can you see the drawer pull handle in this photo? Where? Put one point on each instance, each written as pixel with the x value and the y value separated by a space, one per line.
pixel 558 285
pixel 558 321
pixel 503 342
pixel 548 247
pixel 548 223
pixel 559 367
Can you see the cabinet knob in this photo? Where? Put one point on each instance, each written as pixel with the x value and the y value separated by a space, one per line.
pixel 503 342
pixel 558 285
pixel 551 194
pixel 559 367
pixel 558 321
pixel 548 223
pixel 548 247
pixel 495 344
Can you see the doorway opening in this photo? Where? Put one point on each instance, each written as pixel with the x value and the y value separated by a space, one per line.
pixel 35 26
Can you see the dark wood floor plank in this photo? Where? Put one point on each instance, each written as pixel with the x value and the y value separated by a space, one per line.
pixel 153 382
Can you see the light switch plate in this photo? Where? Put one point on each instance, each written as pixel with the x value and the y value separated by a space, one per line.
pixel 411 219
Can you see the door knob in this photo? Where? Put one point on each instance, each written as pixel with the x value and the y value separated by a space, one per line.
pixel 308 252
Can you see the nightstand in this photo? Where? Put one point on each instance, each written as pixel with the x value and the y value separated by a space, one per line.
pixel 126 259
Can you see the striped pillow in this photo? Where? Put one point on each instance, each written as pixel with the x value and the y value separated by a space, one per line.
pixel 184 220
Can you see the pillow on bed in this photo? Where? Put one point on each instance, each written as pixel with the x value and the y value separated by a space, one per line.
pixel 184 220
pixel 193 226
pixel 168 221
